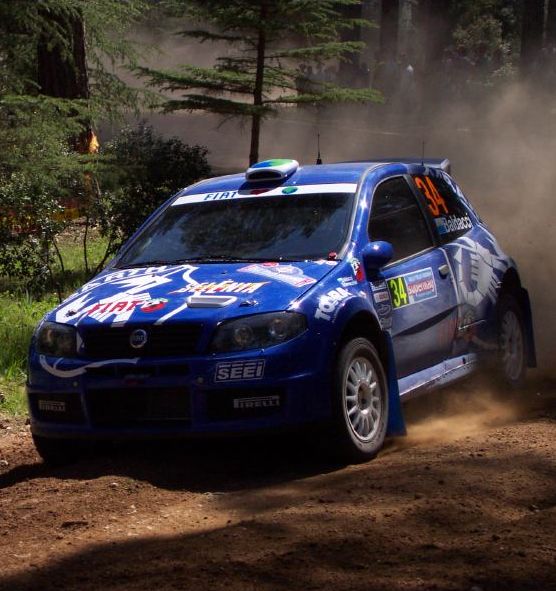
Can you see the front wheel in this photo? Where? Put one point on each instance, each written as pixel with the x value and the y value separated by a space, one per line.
pixel 360 401
pixel 59 452
pixel 512 342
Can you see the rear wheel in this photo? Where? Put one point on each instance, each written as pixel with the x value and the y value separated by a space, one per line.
pixel 360 401
pixel 512 342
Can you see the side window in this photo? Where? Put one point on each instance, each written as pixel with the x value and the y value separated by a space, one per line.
pixel 449 212
pixel 397 218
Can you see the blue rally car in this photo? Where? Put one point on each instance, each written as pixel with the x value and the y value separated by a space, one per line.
pixel 287 295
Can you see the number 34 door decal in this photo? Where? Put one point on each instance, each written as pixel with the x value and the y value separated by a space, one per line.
pixel 412 288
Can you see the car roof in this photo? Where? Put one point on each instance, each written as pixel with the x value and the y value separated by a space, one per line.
pixel 339 172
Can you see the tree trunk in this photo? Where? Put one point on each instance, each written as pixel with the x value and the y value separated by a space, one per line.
pixel 551 25
pixel 434 21
pixel 389 23
pixel 62 70
pixel 258 90
pixel 349 69
pixel 532 31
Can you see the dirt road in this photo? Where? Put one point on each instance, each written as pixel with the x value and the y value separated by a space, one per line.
pixel 466 502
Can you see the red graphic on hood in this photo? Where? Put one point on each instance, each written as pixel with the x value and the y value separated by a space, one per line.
pixel 154 305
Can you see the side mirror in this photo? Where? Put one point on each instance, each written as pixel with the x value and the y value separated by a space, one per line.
pixel 376 255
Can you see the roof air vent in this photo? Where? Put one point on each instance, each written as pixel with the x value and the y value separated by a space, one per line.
pixel 272 170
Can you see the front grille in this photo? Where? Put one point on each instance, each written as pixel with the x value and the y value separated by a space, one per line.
pixel 244 403
pixel 62 407
pixel 113 342
pixel 138 407
pixel 127 371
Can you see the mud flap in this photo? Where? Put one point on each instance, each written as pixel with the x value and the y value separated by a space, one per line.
pixel 396 422
pixel 525 303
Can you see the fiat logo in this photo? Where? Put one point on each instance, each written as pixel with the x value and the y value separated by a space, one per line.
pixel 138 338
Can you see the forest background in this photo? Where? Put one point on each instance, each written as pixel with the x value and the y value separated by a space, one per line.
pixel 107 108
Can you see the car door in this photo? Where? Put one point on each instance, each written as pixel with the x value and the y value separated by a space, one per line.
pixel 475 258
pixel 419 279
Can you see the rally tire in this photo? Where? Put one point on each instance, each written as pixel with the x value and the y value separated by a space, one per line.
pixel 59 452
pixel 360 401
pixel 512 343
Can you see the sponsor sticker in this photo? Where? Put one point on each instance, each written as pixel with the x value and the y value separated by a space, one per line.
pixel 384 309
pixel 133 294
pixel 378 285
pixel 230 371
pixel 412 288
pixel 357 268
pixel 227 286
pixel 141 279
pixel 347 281
pixel 257 402
pixel 452 223
pixel 381 296
pixel 386 323
pixel 279 191
pixel 52 405
pixel 122 309
pixel 329 303
pixel 289 274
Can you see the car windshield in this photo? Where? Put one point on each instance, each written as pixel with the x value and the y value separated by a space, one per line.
pixel 265 228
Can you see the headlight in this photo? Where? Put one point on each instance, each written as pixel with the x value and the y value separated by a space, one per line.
pixel 255 332
pixel 56 340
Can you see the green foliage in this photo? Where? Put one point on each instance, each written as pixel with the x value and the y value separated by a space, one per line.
pixel 28 222
pixel 269 38
pixel 21 312
pixel 34 139
pixel 145 170
pixel 487 33
pixel 63 48
pixel 36 131
pixel 20 315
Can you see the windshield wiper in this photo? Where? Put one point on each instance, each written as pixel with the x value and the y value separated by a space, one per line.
pixel 158 263
pixel 213 258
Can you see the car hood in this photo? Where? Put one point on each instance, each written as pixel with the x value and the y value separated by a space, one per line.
pixel 189 292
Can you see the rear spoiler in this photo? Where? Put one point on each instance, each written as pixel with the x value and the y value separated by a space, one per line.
pixel 442 163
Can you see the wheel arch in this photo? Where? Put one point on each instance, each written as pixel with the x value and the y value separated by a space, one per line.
pixel 363 324
pixel 511 284
pixel 511 281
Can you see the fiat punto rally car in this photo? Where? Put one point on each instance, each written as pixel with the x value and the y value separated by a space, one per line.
pixel 284 296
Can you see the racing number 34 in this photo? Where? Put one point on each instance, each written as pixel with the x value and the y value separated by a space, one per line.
pixel 398 291
pixel 434 198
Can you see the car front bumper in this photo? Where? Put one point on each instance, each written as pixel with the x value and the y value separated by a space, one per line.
pixel 171 397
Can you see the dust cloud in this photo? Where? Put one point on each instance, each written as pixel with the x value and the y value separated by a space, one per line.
pixel 503 155
pixel 464 414
pixel 502 145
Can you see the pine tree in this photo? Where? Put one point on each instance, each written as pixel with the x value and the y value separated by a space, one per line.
pixel 55 80
pixel 56 77
pixel 270 38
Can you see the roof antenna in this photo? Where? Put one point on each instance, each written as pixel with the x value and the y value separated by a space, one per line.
pixel 319 159
pixel 423 153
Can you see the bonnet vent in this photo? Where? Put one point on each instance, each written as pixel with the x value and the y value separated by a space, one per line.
pixel 271 170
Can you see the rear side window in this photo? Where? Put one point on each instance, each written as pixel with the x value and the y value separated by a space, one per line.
pixel 397 218
pixel 450 215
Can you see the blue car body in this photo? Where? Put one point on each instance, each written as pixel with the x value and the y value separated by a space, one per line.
pixel 431 314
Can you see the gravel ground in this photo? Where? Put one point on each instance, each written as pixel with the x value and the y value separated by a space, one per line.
pixel 466 502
